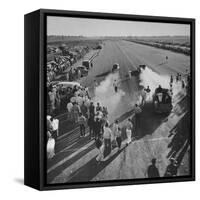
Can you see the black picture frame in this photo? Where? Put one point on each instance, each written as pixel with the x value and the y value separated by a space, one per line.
pixel 35 39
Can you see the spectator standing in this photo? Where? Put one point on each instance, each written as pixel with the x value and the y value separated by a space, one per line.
pixel 115 85
pixel 152 170
pixel 143 95
pixel 105 112
pixel 52 101
pixel 147 90
pixel 183 84
pixel 82 124
pixel 100 146
pixel 118 135
pixel 69 110
pixel 177 77
pixel 79 100
pixel 115 130
pixel 50 146
pixel 75 111
pixel 171 79
pixel 57 99
pixel 84 110
pixel 107 140
pixel 68 94
pixel 172 169
pixel 63 98
pixel 87 102
pixel 91 126
pixel 75 89
pixel 137 111
pixel 129 127
pixel 92 109
pixel 55 127
pixel 49 125
pixel 97 127
pixel 98 107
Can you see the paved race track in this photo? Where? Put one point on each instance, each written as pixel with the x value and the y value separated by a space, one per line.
pixel 75 157
pixel 129 56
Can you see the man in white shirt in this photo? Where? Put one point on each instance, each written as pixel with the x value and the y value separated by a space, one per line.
pixel 55 127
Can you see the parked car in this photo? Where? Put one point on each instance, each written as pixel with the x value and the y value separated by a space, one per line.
pixel 65 84
pixel 87 63
pixel 83 69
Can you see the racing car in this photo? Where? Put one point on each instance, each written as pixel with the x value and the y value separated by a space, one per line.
pixel 162 101
pixel 115 68
pixel 137 71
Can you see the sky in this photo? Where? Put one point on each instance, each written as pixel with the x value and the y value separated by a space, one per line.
pixel 98 27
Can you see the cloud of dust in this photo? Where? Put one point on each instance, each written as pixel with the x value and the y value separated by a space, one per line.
pixel 152 79
pixel 105 94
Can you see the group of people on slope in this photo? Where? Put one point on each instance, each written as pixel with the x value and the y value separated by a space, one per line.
pixel 171 170
pixel 112 135
pixel 93 117
pixel 61 99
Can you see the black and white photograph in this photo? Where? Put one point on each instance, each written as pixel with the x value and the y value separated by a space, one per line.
pixel 118 100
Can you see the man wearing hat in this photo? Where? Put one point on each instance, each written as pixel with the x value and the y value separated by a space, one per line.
pixel 152 170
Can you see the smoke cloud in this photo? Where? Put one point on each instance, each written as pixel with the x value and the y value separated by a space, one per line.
pixel 105 94
pixel 152 79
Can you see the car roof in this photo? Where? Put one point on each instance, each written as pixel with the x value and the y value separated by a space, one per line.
pixel 65 83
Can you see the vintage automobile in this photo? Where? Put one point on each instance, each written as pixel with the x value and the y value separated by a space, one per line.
pixel 162 101
pixel 115 67
pixel 137 71
pixel 83 69
pixel 87 63
pixel 64 84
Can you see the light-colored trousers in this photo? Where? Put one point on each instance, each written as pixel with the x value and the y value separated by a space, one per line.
pixel 128 134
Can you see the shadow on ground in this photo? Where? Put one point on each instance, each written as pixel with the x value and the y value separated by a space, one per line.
pixel 19 181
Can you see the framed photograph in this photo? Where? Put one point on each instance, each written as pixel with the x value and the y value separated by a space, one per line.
pixel 109 99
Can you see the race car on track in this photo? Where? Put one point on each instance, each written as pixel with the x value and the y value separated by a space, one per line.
pixel 137 71
pixel 162 101
pixel 115 68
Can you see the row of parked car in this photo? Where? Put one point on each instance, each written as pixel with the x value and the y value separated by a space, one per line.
pixel 62 58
